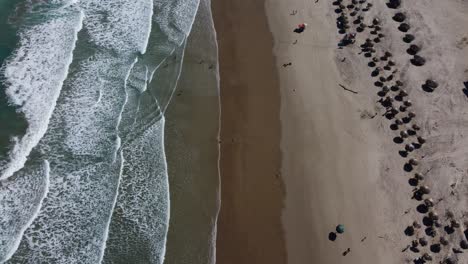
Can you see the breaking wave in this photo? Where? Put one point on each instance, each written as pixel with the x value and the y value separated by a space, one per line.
pixel 87 182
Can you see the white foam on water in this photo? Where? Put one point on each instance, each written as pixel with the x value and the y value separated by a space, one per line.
pixel 83 145
pixel 34 76
pixel 20 202
pixel 106 230
pixel 119 25
pixel 140 220
pixel 175 18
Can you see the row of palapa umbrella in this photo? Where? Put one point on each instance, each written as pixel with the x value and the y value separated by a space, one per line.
pixel 421 192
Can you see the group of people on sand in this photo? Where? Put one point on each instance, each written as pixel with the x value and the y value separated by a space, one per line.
pixel 394 98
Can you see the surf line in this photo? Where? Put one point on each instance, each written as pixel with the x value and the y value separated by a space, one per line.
pixel 118 151
pixel 46 170
pixel 25 145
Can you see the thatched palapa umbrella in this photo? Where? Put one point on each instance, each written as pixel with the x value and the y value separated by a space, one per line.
pixel 424 189
pixel 421 140
pixel 376 21
pixel 413 49
pixel 407 103
pixel 423 241
pixel 394 4
pixel 427 257
pixel 429 202
pixel 418 176
pixel 404 134
pixel 455 224
pixel 432 84
pixel 418 60
pixel 415 162
pixel 433 215
pixel 443 241
pixel 464 244
pixel 409 147
pixel 404 27
pixel 408 38
pixel 399 17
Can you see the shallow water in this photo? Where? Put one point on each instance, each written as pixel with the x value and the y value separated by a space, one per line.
pixel 84 179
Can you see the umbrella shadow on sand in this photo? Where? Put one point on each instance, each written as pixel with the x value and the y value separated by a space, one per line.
pixel 465 90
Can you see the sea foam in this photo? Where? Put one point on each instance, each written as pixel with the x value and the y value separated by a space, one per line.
pixel 34 75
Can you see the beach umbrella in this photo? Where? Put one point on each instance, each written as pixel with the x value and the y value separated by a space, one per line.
pixel 399 17
pixel 418 60
pixel 455 224
pixel 394 4
pixel 436 248
pixel 403 134
pixel 416 127
pixel 427 256
pixel 408 38
pixel 376 21
pixel 431 84
pixel 409 231
pixel 404 27
pixel 413 49
pixel 407 103
pixel 464 244
pixel 424 189
pixel 411 115
pixel 429 202
pixel 421 140
pixel 450 260
pixel 449 214
pixel 409 147
pixel 403 93
pixel 340 229
pixel 423 241
pixel 444 241
pixel 432 215
pixel 418 176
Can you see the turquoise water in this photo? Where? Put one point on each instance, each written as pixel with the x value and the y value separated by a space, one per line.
pixel 83 176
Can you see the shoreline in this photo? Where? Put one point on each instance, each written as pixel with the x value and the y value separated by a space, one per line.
pixel 249 223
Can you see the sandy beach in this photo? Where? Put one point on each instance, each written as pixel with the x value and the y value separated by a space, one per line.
pixel 338 159
pixel 249 224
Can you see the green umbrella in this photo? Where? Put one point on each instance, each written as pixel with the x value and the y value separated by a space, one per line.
pixel 340 229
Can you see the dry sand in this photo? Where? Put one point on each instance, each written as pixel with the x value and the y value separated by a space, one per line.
pixel 339 162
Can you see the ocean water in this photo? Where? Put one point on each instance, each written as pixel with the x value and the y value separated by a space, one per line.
pixel 85 88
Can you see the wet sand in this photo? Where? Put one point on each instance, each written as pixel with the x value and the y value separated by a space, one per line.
pixel 249 225
pixel 192 150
